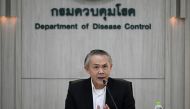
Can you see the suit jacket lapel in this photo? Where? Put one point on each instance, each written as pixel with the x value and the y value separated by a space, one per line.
pixel 88 94
pixel 109 102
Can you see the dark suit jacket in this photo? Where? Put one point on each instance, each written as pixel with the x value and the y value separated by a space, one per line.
pixel 80 94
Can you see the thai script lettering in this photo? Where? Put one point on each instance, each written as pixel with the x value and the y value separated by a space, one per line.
pixel 97 12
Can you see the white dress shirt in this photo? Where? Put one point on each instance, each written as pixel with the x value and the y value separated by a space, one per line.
pixel 99 96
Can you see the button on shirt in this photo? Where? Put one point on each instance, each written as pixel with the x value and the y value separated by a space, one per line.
pixel 99 96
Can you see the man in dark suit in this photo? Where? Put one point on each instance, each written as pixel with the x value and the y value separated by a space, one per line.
pixel 99 91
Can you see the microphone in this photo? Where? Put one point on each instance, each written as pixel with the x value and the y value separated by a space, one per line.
pixel 105 82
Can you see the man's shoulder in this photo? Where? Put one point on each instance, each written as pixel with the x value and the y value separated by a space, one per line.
pixel 79 85
pixel 79 82
pixel 121 85
pixel 120 82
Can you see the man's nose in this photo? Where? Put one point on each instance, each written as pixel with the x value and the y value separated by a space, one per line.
pixel 100 70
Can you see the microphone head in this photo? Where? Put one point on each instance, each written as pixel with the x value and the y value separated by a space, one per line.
pixel 105 82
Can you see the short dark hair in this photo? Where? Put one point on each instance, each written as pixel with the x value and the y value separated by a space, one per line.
pixel 96 52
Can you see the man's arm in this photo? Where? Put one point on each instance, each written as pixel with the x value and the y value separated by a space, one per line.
pixel 69 102
pixel 129 100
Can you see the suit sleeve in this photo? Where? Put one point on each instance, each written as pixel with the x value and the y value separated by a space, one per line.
pixel 129 99
pixel 69 102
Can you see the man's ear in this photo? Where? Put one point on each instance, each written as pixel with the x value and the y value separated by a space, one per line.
pixel 111 66
pixel 86 68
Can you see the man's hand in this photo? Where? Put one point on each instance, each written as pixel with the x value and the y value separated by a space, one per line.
pixel 105 107
pixel 98 107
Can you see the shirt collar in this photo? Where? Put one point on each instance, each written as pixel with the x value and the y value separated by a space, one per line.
pixel 95 90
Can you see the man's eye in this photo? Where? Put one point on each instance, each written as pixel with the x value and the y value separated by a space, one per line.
pixel 105 66
pixel 96 67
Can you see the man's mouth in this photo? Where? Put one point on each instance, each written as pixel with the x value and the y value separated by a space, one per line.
pixel 101 78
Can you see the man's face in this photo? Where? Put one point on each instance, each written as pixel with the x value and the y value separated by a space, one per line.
pixel 99 69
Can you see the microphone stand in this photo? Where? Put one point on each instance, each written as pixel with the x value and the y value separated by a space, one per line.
pixel 105 83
